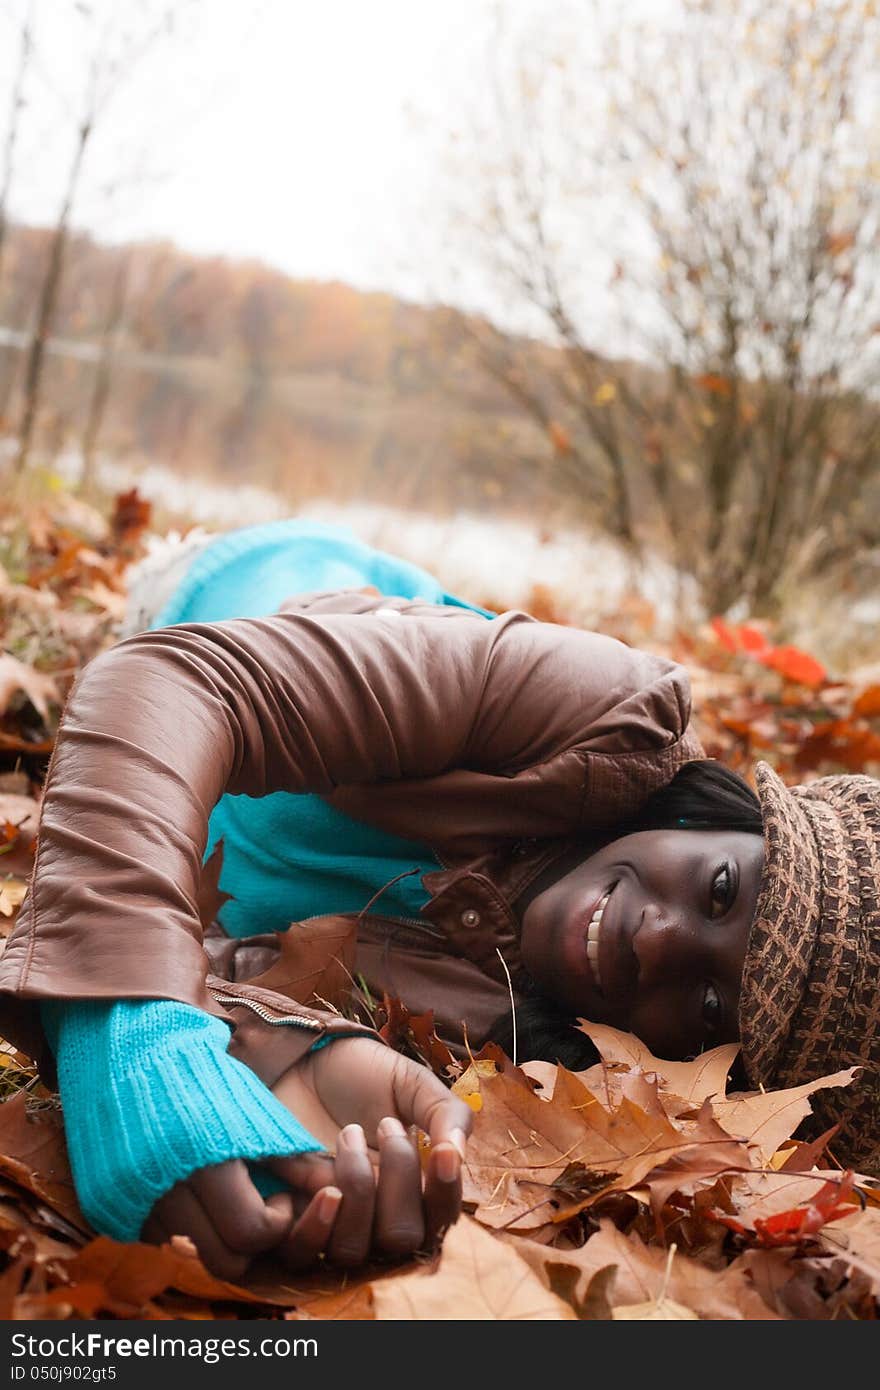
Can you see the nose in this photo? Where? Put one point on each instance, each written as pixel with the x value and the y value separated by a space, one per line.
pixel 662 943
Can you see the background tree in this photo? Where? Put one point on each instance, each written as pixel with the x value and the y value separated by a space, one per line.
pixel 13 120
pixel 24 27
pixel 685 210
pixel 114 39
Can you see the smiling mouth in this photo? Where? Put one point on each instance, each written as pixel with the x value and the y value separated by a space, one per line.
pixel 594 930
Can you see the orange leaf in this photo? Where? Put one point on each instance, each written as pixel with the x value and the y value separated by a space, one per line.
pixel 559 437
pixel 838 242
pixel 717 385
pixel 868 703
pixel 845 741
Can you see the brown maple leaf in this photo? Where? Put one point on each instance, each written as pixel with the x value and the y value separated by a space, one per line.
pixel 476 1277
pixel 131 516
pixel 33 1154
pixel 766 1119
pixel 315 962
pixel 211 896
pixel 17 677
pixel 521 1146
pixel 640 1271
pixel 855 1238
pixel 415 1036
pixel 693 1082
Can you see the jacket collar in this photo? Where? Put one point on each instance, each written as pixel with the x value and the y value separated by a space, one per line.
pixel 475 903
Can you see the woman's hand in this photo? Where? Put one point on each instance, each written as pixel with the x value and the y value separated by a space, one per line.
pixel 358 1096
pixel 370 1197
pixel 220 1210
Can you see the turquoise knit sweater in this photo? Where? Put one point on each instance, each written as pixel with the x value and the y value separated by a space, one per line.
pixel 149 1091
pixel 150 1094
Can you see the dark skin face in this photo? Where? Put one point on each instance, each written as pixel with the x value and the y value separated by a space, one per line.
pixel 665 959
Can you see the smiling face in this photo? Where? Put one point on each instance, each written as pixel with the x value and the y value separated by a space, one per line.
pixel 649 934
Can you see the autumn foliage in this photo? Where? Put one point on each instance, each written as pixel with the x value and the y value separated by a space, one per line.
pixel 637 1189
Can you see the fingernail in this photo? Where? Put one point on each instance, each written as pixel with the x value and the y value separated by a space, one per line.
pixel 390 1128
pixel 447 1163
pixel 328 1203
pixel 459 1139
pixel 354 1138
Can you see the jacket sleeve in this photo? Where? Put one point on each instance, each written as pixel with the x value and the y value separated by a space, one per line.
pixel 160 726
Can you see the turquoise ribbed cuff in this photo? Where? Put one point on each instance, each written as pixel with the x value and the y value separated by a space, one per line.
pixel 150 1094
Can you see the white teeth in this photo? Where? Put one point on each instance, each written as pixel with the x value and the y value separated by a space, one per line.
pixel 593 938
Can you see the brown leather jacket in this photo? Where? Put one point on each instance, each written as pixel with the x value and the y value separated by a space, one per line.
pixel 493 742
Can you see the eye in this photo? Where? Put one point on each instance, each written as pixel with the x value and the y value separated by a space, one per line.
pixel 723 891
pixel 711 1011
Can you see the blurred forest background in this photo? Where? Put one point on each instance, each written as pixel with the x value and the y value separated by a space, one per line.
pixel 620 345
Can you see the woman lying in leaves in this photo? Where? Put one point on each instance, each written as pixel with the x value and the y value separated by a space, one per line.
pixel 524 828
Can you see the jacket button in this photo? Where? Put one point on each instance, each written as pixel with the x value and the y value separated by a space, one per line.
pixel 470 918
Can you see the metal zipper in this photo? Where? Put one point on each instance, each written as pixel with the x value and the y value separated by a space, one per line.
pixel 300 1020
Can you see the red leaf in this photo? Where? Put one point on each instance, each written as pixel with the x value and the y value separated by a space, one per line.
pixel 795 665
pixel 751 639
pixel 725 634
pixel 833 1200
pixel 788 1226
pixel 131 515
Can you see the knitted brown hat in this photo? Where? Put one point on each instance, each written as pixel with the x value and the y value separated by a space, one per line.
pixel 810 999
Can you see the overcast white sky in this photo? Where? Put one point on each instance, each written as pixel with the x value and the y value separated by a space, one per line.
pixel 278 129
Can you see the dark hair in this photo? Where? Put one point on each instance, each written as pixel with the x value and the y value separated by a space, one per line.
pixel 703 795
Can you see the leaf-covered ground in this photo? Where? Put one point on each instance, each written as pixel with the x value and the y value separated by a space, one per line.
pixel 637 1189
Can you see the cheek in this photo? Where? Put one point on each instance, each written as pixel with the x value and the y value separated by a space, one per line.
pixel 666 1023
pixel 540 951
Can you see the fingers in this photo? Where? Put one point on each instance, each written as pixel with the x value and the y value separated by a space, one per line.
pixel 308 1237
pixel 241 1218
pixel 399 1226
pixel 449 1123
pixel 180 1213
pixel 364 1212
pixel 224 1216
pixel 350 1242
pixel 421 1098
pixel 442 1190
pixel 305 1174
